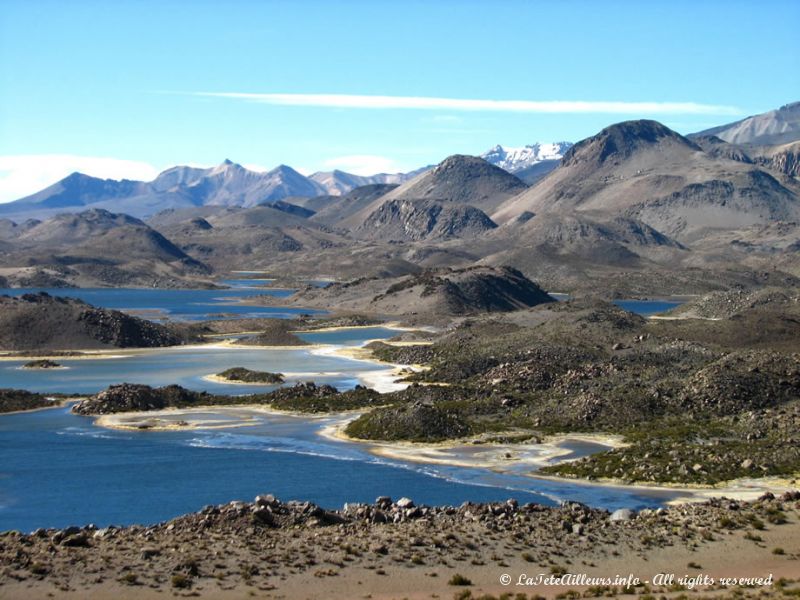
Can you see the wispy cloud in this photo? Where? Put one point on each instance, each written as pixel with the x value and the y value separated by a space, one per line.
pixel 22 175
pixel 472 104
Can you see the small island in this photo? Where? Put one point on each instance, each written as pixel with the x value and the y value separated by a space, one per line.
pixel 43 363
pixel 242 375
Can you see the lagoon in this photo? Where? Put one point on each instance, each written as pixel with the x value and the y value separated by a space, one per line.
pixel 61 469
pixel 178 305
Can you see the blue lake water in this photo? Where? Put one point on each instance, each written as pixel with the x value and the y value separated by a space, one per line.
pixel 352 336
pixel 647 307
pixel 181 305
pixel 60 469
pixel 186 367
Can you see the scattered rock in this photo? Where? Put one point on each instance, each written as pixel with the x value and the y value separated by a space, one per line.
pixel 622 514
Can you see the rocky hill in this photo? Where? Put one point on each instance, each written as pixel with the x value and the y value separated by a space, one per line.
pixel 459 179
pixel 431 295
pixel 699 400
pixel 414 220
pixel 96 247
pixel 127 397
pixel 332 210
pixel 40 322
pixel 252 238
pixel 644 170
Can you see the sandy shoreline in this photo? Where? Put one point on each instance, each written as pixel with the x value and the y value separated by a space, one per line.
pixel 85 355
pixel 171 419
pixel 549 452
pixel 56 404
pixel 498 457
pixel 382 381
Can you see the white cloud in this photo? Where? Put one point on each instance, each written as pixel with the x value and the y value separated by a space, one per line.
pixel 469 104
pixel 22 175
pixel 364 164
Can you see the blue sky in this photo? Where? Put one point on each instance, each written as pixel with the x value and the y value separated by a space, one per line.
pixel 127 88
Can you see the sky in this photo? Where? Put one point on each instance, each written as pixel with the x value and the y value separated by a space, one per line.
pixel 131 87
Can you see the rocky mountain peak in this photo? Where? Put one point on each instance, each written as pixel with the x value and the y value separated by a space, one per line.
pixel 621 140
pixel 457 162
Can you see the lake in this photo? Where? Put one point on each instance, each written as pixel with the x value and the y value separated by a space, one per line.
pixel 644 308
pixel 178 305
pixel 60 469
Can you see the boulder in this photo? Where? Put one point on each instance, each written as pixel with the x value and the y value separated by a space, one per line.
pixel 622 514
pixel 405 503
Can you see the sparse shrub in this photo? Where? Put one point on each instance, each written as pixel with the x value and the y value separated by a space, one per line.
pixel 776 517
pixel 459 579
pixel 181 581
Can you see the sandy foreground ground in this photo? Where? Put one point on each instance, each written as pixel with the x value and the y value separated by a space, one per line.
pixel 234 551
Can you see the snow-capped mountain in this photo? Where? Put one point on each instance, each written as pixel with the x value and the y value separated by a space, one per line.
pixel 517 159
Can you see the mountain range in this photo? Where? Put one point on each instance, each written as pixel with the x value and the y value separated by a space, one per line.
pixel 635 207
pixel 646 171
pixel 230 184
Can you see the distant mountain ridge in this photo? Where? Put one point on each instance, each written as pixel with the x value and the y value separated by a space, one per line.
pixel 228 184
pixel 339 183
pixel 779 126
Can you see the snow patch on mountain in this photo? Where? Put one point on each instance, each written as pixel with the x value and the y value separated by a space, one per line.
pixel 518 158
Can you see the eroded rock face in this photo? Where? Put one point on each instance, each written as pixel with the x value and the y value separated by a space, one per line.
pixel 124 331
pixel 44 322
pixel 785 161
pixel 422 219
